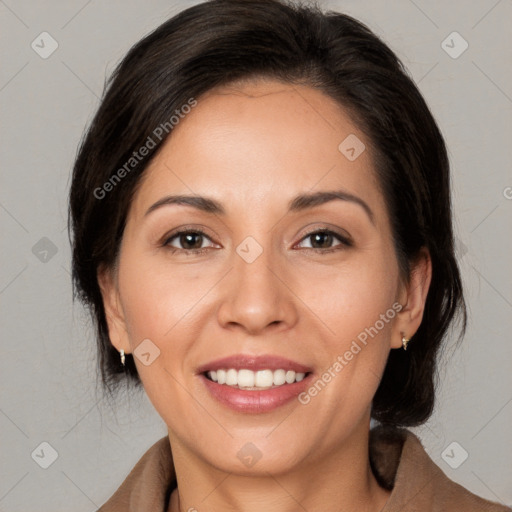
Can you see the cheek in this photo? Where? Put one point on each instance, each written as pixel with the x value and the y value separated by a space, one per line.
pixel 355 305
pixel 159 307
pixel 156 297
pixel 351 296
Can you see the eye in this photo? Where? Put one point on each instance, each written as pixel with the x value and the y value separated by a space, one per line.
pixel 191 241
pixel 321 241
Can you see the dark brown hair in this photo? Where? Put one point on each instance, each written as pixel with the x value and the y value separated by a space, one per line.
pixel 219 42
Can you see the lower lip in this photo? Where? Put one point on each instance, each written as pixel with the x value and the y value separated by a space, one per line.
pixel 255 401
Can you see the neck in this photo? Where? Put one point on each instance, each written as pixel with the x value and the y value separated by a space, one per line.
pixel 339 478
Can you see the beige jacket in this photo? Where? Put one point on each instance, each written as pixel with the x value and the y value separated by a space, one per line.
pixel 398 460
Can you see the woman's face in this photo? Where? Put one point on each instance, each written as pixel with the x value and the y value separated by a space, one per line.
pixel 262 285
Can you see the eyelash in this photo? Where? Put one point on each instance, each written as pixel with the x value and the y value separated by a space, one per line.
pixel 345 242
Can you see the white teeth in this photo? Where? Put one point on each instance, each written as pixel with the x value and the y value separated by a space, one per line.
pixel 290 376
pixel 262 379
pixel 231 377
pixel 245 378
pixel 279 377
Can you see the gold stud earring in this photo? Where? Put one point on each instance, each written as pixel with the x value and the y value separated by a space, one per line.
pixel 405 341
pixel 122 357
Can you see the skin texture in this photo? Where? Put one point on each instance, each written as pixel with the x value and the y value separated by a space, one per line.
pixel 253 148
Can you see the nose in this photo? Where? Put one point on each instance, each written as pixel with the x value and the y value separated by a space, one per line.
pixel 257 294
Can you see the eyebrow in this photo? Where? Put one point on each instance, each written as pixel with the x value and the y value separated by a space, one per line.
pixel 299 203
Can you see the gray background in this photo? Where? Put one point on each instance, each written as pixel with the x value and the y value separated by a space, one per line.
pixel 48 366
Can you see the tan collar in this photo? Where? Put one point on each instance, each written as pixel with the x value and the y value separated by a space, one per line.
pixel 398 461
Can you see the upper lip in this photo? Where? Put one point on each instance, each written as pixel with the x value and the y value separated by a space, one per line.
pixel 254 363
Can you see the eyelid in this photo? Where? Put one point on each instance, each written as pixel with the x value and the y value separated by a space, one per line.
pixel 185 229
pixel 343 236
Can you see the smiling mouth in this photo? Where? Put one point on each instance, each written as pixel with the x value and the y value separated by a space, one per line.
pixel 249 380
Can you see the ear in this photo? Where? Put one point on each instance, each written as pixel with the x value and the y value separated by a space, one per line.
pixel 412 298
pixel 117 331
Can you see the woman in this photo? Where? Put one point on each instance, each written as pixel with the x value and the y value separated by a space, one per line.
pixel 262 229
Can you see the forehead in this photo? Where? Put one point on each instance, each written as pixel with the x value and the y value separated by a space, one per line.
pixel 259 142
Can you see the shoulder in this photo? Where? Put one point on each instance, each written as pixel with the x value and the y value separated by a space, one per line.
pixel 401 463
pixel 147 488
